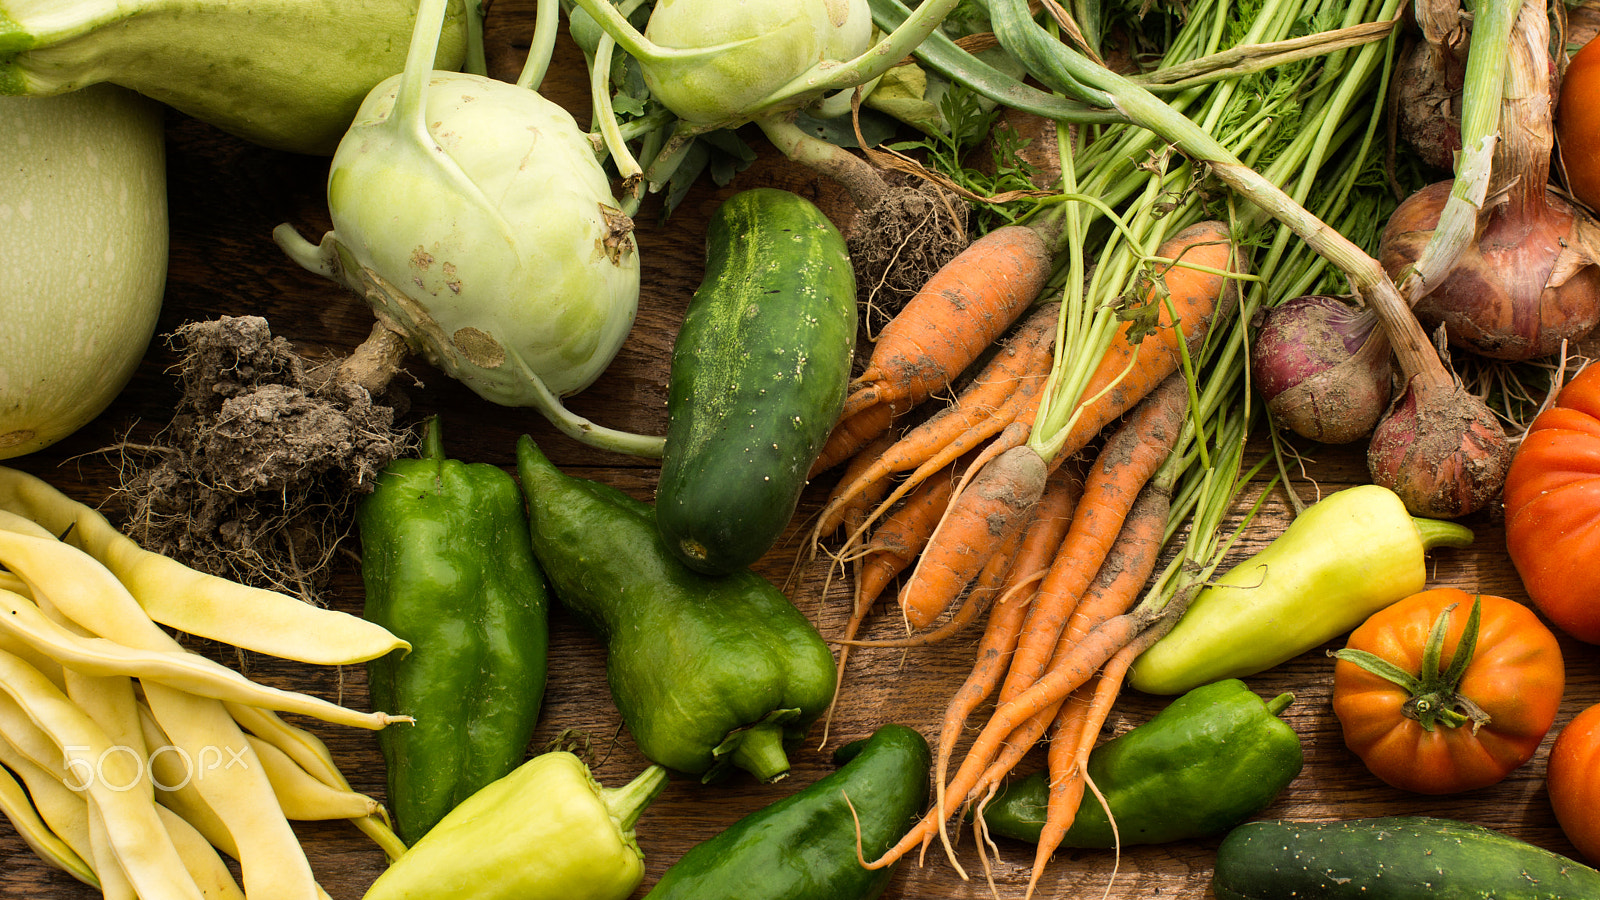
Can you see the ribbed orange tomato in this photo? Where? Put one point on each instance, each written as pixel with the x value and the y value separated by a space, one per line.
pixel 1573 780
pixel 1578 124
pixel 1552 504
pixel 1447 691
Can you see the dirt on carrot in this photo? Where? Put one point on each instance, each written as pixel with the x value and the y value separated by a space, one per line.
pixel 255 477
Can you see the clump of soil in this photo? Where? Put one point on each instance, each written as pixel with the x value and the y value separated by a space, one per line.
pixel 899 242
pixel 256 477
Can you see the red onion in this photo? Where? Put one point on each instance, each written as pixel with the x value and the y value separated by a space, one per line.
pixel 1323 366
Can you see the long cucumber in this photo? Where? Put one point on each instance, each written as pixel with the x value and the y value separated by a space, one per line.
pixel 759 371
pixel 1392 858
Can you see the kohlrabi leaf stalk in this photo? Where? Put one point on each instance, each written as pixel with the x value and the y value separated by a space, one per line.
pixel 474 217
pixel 719 66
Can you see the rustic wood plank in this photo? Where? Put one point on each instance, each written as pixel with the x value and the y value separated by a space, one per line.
pixel 226 198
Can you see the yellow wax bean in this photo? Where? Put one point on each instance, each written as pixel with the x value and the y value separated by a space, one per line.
pixel 172 772
pixel 64 811
pixel 31 827
pixel 201 859
pixel 308 750
pixel 47 667
pixel 180 597
pixel 234 784
pixel 114 881
pixel 304 797
pixel 141 845
pixel 176 668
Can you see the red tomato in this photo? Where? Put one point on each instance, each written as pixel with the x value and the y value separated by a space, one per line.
pixel 1578 124
pixel 1515 676
pixel 1573 779
pixel 1552 503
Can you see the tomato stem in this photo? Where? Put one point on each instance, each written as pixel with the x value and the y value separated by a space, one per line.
pixel 1435 696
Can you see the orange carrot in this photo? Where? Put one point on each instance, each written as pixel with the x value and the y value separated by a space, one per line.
pixel 853 514
pixel 979 519
pixel 1127 567
pixel 961 310
pixel 1085 659
pixel 1125 571
pixel 996 577
pixel 850 436
pixel 1129 371
pixel 1070 748
pixel 1051 520
pixel 990 402
pixel 1194 299
pixel 1130 456
pixel 894 545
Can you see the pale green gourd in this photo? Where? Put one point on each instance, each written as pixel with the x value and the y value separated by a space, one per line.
pixel 287 74
pixel 83 256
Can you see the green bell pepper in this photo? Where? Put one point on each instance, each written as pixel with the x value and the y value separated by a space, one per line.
pixel 547 831
pixel 1341 560
pixel 804 846
pixel 708 671
pixel 448 567
pixel 1211 759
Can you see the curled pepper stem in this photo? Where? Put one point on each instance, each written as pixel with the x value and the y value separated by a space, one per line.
pixel 1435 698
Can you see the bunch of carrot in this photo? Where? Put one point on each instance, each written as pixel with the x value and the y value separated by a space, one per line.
pixel 1144 394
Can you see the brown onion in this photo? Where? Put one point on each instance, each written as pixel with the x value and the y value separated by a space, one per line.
pixel 1323 366
pixel 1515 277
pixel 1526 284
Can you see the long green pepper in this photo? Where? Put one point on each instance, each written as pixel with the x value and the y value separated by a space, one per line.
pixel 448 566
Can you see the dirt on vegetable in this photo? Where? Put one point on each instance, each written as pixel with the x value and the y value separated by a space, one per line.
pixel 256 476
pixel 897 244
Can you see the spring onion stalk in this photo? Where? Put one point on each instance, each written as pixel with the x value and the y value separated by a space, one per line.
pixel 473 216
pixel 1484 88
pixel 1065 69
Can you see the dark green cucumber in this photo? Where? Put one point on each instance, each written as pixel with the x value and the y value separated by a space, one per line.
pixel 1392 858
pixel 759 371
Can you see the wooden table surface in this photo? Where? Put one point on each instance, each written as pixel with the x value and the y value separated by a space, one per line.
pixel 226 196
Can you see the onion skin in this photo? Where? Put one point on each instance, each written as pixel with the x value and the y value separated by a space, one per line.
pixel 1522 288
pixel 1323 367
pixel 1441 450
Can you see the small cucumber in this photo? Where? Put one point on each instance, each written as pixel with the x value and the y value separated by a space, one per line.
pixel 759 371
pixel 1392 858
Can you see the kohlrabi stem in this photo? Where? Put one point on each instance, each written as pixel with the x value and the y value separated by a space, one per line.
pixel 411 97
pixel 1064 68
pixel 1482 91
pixel 580 429
pixel 941 54
pixel 858 176
pixel 613 22
pixel 628 168
pixel 546 27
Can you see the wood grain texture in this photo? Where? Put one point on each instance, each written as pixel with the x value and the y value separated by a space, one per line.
pixel 227 196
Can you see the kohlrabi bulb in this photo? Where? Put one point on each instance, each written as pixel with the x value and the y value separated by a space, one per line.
pixel 489 237
pixel 744 51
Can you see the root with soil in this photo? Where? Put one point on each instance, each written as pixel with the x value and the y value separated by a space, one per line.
pixel 256 476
